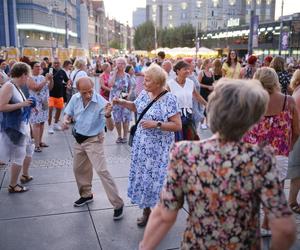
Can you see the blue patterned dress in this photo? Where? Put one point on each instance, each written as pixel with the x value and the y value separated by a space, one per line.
pixel 122 85
pixel 150 151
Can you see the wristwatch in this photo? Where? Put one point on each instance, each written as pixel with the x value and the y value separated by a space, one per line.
pixel 158 125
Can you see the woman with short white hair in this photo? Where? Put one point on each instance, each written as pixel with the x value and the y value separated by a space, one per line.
pixel 152 140
pixel 121 87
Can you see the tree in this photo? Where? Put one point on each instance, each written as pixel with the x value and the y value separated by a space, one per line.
pixel 181 36
pixel 115 44
pixel 144 37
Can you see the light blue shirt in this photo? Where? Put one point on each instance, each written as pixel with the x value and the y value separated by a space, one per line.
pixel 89 120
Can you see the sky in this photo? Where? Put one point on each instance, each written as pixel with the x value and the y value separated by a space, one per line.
pixel 122 10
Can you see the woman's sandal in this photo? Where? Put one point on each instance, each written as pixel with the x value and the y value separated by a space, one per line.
pixel 26 178
pixel 13 189
pixel 295 207
pixel 142 221
pixel 37 149
pixel 44 145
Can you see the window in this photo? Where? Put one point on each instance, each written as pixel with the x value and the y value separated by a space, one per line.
pixel 183 15
pixel 198 4
pixel 170 7
pixel 215 3
pixel 184 5
pixel 212 13
pixel 154 7
pixel 232 2
pixel 170 17
pixel 171 25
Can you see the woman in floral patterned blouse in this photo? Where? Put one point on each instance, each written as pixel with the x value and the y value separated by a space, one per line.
pixel 224 180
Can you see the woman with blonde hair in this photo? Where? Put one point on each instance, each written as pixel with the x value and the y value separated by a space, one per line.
pixel 152 140
pixel 279 127
pixel 78 72
pixel 294 157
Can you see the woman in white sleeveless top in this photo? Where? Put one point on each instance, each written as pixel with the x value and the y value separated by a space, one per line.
pixel 14 130
pixel 184 89
pixel 39 87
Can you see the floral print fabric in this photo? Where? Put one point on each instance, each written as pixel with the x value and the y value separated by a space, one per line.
pixel 122 85
pixel 224 185
pixel 275 131
pixel 150 151
pixel 40 114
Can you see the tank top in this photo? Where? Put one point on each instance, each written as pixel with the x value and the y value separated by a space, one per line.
pixel 184 94
pixel 206 80
pixel 273 130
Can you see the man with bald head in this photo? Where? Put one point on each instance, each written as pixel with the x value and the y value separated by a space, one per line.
pixel 91 113
pixel 56 99
pixel 168 67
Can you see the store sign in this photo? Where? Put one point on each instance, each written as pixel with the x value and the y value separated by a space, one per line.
pixel 233 22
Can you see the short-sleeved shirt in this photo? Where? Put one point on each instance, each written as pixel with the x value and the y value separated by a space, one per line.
pixel 89 120
pixel 224 185
pixel 59 78
pixel 231 72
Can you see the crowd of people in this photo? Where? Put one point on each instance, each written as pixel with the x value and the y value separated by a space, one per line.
pixel 251 106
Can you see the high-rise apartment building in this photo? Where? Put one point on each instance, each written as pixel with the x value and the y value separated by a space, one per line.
pixel 138 17
pixel 208 14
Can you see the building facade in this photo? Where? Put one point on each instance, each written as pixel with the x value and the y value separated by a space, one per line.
pixel 43 23
pixel 208 14
pixel 138 17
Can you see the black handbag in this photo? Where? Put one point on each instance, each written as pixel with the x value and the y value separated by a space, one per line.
pixel 133 128
pixel 79 137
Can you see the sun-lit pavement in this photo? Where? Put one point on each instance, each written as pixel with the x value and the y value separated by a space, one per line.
pixel 44 217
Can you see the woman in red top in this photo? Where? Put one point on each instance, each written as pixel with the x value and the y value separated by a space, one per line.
pixel 104 77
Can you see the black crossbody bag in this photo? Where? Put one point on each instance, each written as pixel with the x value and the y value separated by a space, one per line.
pixel 134 127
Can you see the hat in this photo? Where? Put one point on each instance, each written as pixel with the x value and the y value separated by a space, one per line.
pixel 252 59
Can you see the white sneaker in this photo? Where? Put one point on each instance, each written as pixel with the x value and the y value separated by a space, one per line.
pixel 50 130
pixel 204 126
pixel 57 127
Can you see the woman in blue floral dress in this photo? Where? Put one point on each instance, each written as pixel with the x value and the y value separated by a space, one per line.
pixel 39 87
pixel 121 86
pixel 152 141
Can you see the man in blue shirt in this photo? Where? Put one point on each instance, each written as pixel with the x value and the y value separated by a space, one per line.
pixel 91 112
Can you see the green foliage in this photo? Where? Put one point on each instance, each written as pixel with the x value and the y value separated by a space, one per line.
pixel 182 36
pixel 144 37
pixel 115 44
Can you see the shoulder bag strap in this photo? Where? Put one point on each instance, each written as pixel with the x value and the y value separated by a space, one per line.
pixel 21 93
pixel 284 103
pixel 76 75
pixel 149 105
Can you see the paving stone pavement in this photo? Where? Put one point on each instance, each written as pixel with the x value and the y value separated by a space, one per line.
pixel 44 217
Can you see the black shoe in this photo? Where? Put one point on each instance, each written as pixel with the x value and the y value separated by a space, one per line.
pixel 82 201
pixel 118 213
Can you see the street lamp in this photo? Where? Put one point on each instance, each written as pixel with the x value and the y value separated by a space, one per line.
pixel 197 40
pixel 251 27
pixel 281 28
